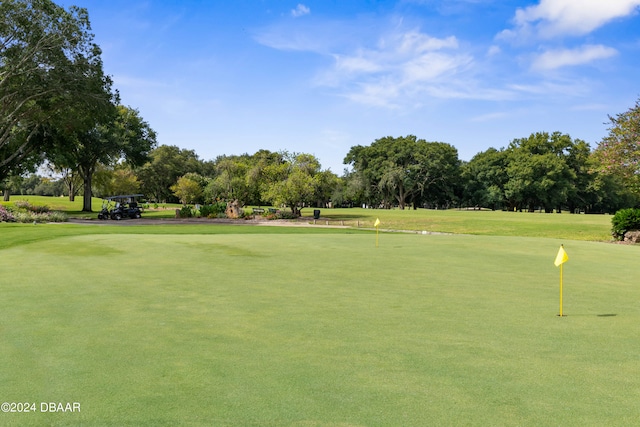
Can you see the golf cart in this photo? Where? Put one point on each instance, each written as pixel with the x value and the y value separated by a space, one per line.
pixel 120 207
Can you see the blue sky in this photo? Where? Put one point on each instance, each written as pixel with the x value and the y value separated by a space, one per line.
pixel 320 76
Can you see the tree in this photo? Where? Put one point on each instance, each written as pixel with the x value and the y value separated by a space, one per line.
pixel 619 152
pixel 230 182
pixel 578 158
pixel 292 183
pixel 10 184
pixel 438 174
pixel 406 169
pixel 69 177
pixel 165 165
pixel 327 182
pixel 538 173
pixel 256 177
pixel 125 135
pixel 187 190
pixel 484 178
pixel 119 181
pixel 49 66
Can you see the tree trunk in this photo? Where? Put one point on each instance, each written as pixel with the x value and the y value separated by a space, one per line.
pixel 86 203
pixel 72 191
pixel 401 197
pixel 7 194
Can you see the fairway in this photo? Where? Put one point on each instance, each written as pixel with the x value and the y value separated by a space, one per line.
pixel 320 329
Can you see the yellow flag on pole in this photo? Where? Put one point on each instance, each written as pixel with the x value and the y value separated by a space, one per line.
pixel 561 258
pixel 377 223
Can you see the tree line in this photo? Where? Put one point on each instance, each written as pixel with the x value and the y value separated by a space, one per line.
pixel 58 108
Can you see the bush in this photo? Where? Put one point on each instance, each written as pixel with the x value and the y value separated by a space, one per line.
pixel 287 215
pixel 5 215
pixel 280 214
pixel 185 212
pixel 23 204
pixel 27 216
pixel 214 210
pixel 625 220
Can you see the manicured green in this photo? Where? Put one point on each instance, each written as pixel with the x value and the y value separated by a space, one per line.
pixel 270 326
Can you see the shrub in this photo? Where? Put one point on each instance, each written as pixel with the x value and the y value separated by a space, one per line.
pixel 27 216
pixel 185 212
pixel 286 215
pixel 57 216
pixel 23 204
pixel 5 215
pixel 214 210
pixel 625 220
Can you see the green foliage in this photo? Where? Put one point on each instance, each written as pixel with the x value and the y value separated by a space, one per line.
pixel 51 79
pixel 186 212
pixel 285 214
pixel 619 151
pixel 109 181
pixel 165 165
pixel 406 170
pixel 214 210
pixel 25 205
pixel 230 182
pixel 120 133
pixel 273 214
pixel 187 190
pixel 625 220
pixel 293 182
pixel 549 171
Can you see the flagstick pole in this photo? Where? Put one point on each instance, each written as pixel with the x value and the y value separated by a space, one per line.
pixel 376 236
pixel 560 290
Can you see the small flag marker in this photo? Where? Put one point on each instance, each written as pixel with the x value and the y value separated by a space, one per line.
pixel 561 258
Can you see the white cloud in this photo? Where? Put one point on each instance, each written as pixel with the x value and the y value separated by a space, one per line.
pixel 552 18
pixel 489 117
pixel 357 63
pixel 553 59
pixel 545 89
pixel 400 66
pixel 300 10
pixel 494 50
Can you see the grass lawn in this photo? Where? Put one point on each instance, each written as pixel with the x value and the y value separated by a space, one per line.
pixel 488 223
pixel 271 326
pixel 74 209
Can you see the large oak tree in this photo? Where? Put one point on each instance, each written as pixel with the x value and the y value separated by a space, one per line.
pixel 49 68
pixel 123 136
pixel 406 170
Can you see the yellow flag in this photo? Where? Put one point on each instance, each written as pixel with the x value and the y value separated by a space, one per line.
pixel 561 258
pixel 377 223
